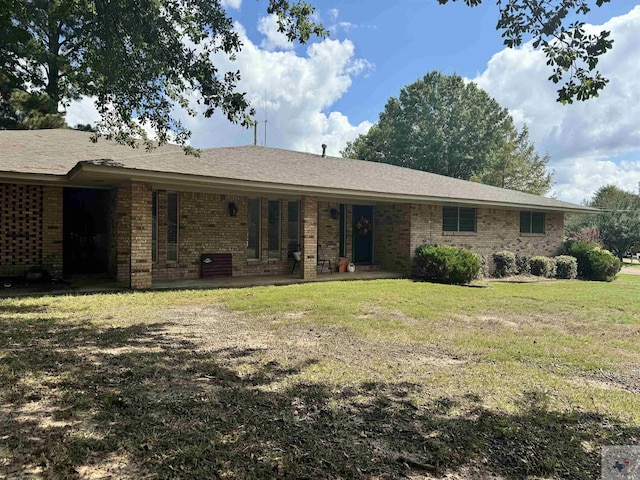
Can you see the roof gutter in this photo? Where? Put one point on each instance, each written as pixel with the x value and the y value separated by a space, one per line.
pixel 172 180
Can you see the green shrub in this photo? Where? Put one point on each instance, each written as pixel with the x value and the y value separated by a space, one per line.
pixel 522 264
pixel 505 263
pixel 594 263
pixel 484 266
pixel 580 250
pixel 444 264
pixel 566 267
pixel 543 267
pixel 603 265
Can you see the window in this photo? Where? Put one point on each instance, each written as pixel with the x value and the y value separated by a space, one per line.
pixel 172 226
pixel 458 219
pixel 253 228
pixel 531 222
pixel 154 226
pixel 273 231
pixel 293 227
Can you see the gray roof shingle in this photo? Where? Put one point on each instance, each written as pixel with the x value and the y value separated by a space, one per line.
pixel 56 152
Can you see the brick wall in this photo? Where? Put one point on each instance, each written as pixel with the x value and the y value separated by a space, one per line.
pixel 30 229
pixel 391 237
pixel 205 226
pixel 497 229
pixel 309 234
pixel 140 235
pixel 329 231
pixel 21 228
pixel 122 233
pixel 52 230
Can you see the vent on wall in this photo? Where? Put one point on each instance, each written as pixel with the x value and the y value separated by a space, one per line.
pixel 216 265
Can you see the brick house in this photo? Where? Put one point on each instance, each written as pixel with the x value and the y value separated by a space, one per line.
pixel 75 207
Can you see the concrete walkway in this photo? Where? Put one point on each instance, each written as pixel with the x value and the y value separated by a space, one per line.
pixel 266 280
pixel 630 270
pixel 86 286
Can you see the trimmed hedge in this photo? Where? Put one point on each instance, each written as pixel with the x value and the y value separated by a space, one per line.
pixel 522 264
pixel 594 263
pixel 505 263
pixel 580 250
pixel 603 265
pixel 566 267
pixel 543 267
pixel 445 264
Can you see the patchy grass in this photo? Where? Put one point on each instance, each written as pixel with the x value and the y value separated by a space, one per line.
pixel 375 379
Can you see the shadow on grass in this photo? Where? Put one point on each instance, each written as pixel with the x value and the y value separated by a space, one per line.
pixel 76 400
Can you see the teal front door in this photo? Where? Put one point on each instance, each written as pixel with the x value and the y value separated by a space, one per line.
pixel 363 234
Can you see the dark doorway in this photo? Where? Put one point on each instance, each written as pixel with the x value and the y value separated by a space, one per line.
pixel 85 231
pixel 363 234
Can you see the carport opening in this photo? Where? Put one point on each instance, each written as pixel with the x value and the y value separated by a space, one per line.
pixel 86 213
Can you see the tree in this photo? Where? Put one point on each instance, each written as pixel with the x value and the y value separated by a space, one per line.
pixel 619 220
pixel 616 227
pixel 517 166
pixel 571 51
pixel 138 58
pixel 35 111
pixel 441 124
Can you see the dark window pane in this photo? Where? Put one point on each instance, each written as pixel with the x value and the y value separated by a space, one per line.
pixel 467 220
pixel 537 222
pixel 273 239
pixel 450 219
pixel 253 228
pixel 525 222
pixel 172 227
pixel 293 227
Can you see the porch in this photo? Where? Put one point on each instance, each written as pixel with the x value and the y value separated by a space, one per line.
pixel 87 285
pixel 266 280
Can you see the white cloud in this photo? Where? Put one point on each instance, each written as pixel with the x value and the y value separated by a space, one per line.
pixel 274 40
pixel 82 112
pixel 584 137
pixel 234 4
pixel 293 91
pixel 579 178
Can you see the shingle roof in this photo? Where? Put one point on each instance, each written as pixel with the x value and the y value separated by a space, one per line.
pixel 56 152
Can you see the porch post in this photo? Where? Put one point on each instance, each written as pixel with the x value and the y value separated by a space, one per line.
pixel 141 222
pixel 309 216
pixel 122 233
pixel 133 235
pixel 52 230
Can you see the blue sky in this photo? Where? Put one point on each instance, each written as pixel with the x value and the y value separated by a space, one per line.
pixel 329 91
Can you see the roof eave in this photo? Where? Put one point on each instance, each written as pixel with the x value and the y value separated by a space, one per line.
pixel 169 180
pixel 33 178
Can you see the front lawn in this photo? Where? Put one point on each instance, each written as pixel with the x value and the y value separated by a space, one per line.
pixel 377 379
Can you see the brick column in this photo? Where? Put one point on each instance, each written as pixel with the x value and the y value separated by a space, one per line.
pixel 52 230
pixel 309 216
pixel 122 221
pixel 141 263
